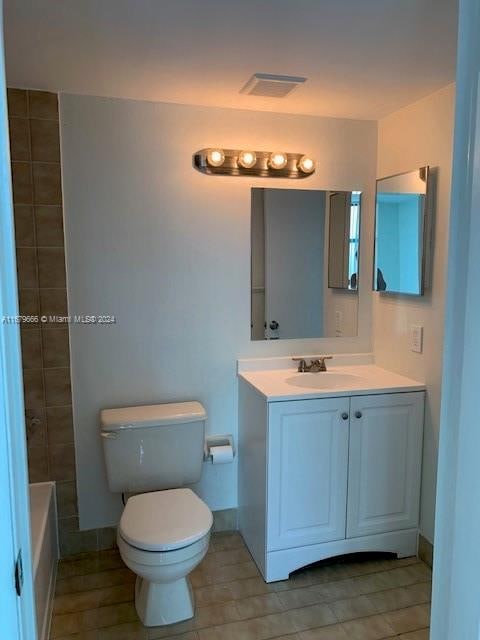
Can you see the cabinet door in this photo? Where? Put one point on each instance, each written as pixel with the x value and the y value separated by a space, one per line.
pixel 385 463
pixel 307 472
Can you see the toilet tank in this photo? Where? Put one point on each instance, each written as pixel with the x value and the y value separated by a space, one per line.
pixel 153 447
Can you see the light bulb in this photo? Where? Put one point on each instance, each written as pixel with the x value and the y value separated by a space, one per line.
pixel 306 164
pixel 278 160
pixel 215 157
pixel 247 159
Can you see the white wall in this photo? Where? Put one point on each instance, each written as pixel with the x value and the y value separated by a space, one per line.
pixel 418 135
pixel 167 250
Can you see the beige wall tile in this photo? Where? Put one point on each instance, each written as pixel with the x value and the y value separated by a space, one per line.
pixel 106 538
pixel 73 542
pixel 33 388
pixel 57 387
pixel 38 464
pixel 36 426
pixel 29 302
pixel 43 104
pixel 66 499
pixel 31 340
pixel 19 139
pixel 24 226
pixel 27 268
pixel 45 140
pixel 22 183
pixel 62 462
pixel 49 226
pixel 56 352
pixel 51 267
pixel 60 425
pixel 425 550
pixel 47 183
pixel 17 103
pixel 53 302
pixel 225 520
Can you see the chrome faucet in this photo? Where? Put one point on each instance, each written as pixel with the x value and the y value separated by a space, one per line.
pixel 316 365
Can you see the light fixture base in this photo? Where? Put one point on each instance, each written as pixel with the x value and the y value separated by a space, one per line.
pixel 262 168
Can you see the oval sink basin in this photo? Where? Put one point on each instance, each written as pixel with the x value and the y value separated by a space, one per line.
pixel 323 380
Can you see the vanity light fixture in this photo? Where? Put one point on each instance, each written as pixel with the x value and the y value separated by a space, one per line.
pixel 215 157
pixel 247 159
pixel 215 161
pixel 306 164
pixel 278 160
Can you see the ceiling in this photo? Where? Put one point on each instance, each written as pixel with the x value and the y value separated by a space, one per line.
pixel 363 58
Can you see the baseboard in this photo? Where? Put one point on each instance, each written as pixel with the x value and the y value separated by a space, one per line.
pixel 425 550
pixel 225 520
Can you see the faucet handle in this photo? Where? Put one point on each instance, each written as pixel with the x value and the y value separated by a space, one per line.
pixel 321 362
pixel 302 364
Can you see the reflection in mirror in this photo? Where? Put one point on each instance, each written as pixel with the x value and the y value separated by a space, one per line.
pixel 401 212
pixel 305 250
pixel 344 238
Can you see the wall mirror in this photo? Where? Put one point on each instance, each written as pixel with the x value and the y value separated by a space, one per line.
pixel 401 233
pixel 305 257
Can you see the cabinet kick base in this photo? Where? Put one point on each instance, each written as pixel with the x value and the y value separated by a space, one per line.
pixel 279 564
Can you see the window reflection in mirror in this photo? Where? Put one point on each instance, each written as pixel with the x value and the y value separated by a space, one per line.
pixel 305 253
pixel 344 239
pixel 401 210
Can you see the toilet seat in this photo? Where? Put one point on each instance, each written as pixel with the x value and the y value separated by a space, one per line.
pixel 163 522
pixel 160 558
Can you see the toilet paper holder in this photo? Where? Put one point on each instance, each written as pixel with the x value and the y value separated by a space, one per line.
pixel 217 441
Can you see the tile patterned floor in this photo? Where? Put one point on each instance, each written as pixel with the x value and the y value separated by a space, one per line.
pixel 359 600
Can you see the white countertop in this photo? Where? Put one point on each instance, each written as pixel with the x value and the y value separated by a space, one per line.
pixel 355 380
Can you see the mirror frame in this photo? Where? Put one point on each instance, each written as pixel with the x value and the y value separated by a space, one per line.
pixel 347 291
pixel 426 233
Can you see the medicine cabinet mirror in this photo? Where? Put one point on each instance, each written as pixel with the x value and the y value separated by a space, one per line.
pixel 305 258
pixel 401 233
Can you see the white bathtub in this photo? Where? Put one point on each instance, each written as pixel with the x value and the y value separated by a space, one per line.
pixel 43 521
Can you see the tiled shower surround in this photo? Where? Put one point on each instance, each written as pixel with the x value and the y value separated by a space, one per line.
pixel 37 197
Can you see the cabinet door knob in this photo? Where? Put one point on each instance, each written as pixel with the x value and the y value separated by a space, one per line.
pixel 344 415
pixel 358 414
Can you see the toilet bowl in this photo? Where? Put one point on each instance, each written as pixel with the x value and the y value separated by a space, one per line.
pixel 162 537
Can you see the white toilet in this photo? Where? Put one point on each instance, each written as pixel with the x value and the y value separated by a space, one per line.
pixel 163 534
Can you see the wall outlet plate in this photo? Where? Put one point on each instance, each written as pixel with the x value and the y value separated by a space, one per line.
pixel 416 338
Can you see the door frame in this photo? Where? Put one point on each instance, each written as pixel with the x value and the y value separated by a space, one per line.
pixel 456 589
pixel 18 613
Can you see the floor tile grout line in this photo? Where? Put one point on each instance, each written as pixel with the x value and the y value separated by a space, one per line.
pixel 283 611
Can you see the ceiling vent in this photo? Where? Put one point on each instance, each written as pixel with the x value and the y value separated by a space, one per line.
pixel 271 86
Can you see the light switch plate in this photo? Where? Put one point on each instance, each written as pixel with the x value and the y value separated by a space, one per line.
pixel 416 338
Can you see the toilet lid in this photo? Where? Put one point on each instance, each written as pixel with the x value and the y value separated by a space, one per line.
pixel 165 520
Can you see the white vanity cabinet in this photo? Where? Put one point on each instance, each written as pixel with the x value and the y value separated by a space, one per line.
pixel 307 472
pixel 325 477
